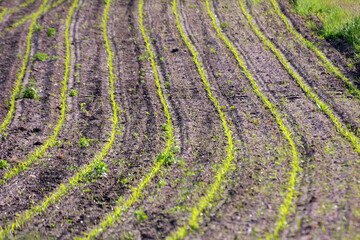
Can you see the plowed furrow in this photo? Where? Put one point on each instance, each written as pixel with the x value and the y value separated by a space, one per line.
pixel 198 113
pixel 6 11
pixel 62 190
pixel 250 54
pixel 95 199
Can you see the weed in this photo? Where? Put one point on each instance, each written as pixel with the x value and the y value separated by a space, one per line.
pixel 127 236
pixel 225 25
pixel 4 164
pixel 73 92
pixel 85 142
pixel 99 170
pixel 51 32
pixel 31 92
pixel 140 215
pixel 38 27
pixel 41 57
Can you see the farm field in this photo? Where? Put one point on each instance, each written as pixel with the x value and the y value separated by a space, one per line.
pixel 174 119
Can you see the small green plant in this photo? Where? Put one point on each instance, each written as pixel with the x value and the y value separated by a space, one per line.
pixel 41 57
pixel 38 27
pixel 85 142
pixel 213 51
pixel 127 236
pixel 73 92
pixel 4 164
pixel 99 170
pixel 31 92
pixel 51 32
pixel 225 25
pixel 54 57
pixel 140 215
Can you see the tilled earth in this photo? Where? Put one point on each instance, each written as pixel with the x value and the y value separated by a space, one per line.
pixel 327 200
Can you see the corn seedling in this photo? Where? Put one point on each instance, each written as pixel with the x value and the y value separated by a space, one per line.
pixel 21 74
pixel 63 189
pixel 163 159
pixel 295 167
pixel 226 165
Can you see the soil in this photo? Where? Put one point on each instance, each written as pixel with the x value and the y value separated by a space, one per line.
pixel 327 203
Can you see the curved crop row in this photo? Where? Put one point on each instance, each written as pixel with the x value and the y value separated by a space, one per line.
pixel 326 108
pixel 21 74
pixel 226 165
pixel 327 63
pixel 79 176
pixel 7 11
pixel 290 195
pixel 37 154
pixel 166 155
pixel 25 19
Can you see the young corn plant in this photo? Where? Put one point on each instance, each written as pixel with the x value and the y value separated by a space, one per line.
pixel 227 165
pixel 96 165
pixel 165 158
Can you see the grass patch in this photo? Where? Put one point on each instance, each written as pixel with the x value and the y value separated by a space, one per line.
pixel 340 18
pixel 325 61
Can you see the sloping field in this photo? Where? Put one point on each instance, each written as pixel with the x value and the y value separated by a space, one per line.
pixel 174 119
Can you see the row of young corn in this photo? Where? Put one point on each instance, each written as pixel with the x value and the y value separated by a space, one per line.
pixel 326 62
pixel 35 155
pixel 162 159
pixel 295 163
pixel 31 16
pixel 79 176
pixel 325 107
pixel 21 74
pixel 227 163
pixel 168 151
pixel 6 11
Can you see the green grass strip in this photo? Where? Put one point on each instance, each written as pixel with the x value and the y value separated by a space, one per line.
pixel 226 165
pixel 7 11
pixel 281 223
pixel 327 63
pixel 21 74
pixel 287 203
pixel 38 153
pixel 63 189
pixel 167 152
pixel 25 19
pixel 326 108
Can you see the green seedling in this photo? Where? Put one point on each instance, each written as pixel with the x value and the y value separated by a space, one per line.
pixel 84 142
pixel 38 27
pixel 225 25
pixel 140 215
pixel 73 92
pixel 99 170
pixel 41 57
pixel 31 92
pixel 51 32
pixel 4 164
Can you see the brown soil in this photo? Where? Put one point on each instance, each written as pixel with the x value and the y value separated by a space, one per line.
pixel 247 206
